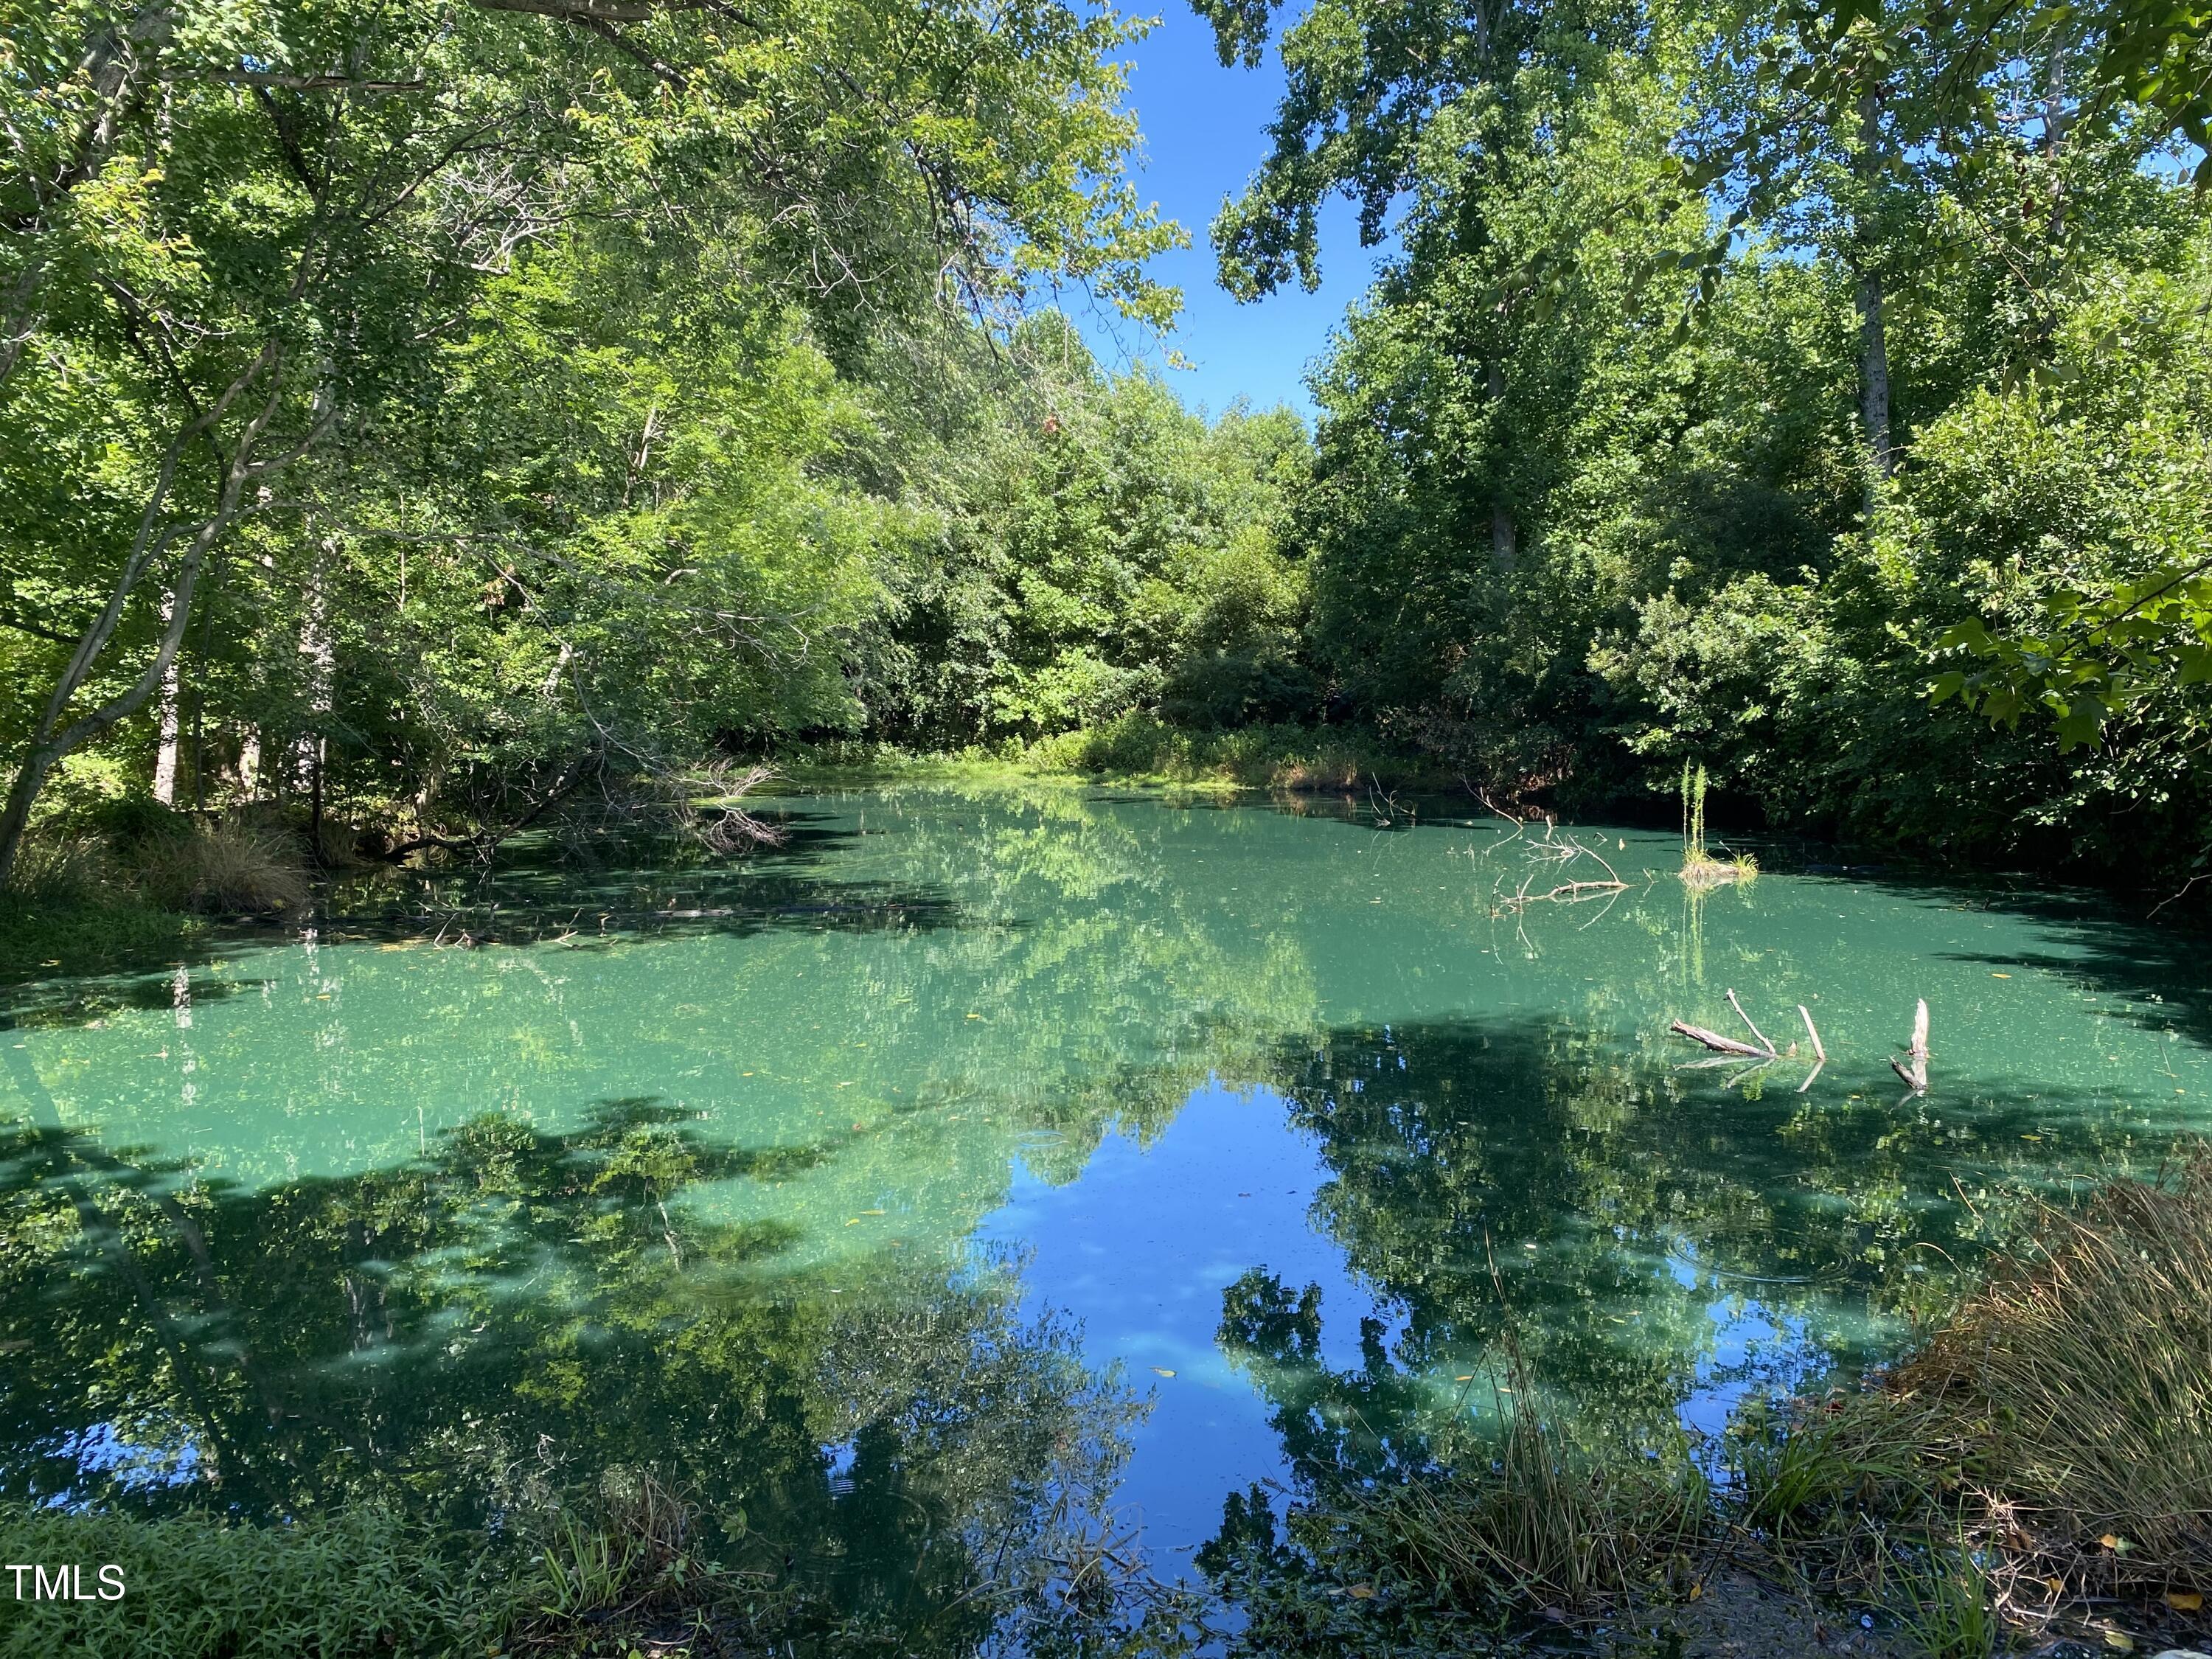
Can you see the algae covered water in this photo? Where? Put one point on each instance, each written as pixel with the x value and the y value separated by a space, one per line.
pixel 983 1157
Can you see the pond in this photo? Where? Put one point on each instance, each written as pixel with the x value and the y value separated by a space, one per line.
pixel 986 1158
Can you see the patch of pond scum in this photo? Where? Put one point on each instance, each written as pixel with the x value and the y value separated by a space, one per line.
pixel 1020 1155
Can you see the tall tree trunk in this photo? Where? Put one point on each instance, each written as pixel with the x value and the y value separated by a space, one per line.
pixel 165 757
pixel 312 750
pixel 1504 538
pixel 1874 336
pixel 1874 375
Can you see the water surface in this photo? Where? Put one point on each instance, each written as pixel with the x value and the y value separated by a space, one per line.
pixel 986 1159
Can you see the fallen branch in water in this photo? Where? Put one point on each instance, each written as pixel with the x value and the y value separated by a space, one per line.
pixel 1717 1042
pixel 1765 1047
pixel 1563 852
pixel 1819 1053
pixel 1568 890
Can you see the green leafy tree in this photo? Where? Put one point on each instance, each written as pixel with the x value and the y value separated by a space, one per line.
pixel 239 233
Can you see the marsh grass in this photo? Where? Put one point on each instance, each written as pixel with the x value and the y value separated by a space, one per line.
pixel 1948 1606
pixel 225 866
pixel 2045 1457
pixel 69 909
pixel 622 1552
pixel 2072 1394
pixel 2049 1448
pixel 1704 871
pixel 1701 868
pixel 1552 1526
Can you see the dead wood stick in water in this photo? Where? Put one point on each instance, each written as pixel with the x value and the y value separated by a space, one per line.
pixel 1916 1078
pixel 1716 1042
pixel 1819 1053
pixel 1765 1046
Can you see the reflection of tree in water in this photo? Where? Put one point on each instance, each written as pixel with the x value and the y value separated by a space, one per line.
pixel 476 1334
pixel 1632 1212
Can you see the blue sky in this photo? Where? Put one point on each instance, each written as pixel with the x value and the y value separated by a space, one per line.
pixel 1204 133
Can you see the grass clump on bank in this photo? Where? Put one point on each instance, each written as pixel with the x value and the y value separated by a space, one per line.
pixel 71 910
pixel 1551 1525
pixel 124 885
pixel 2041 1465
pixel 224 866
pixel 2059 1425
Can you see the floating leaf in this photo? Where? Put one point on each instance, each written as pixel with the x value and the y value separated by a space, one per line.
pixel 2185 1601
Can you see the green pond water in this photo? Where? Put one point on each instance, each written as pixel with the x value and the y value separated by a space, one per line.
pixel 981 1158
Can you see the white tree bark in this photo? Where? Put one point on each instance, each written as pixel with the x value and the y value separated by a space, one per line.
pixel 165 757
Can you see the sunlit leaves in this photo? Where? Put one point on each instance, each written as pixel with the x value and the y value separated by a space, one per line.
pixel 2094 658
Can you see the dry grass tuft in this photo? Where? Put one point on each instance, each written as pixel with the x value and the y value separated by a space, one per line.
pixel 63 869
pixel 2076 1390
pixel 1548 1525
pixel 225 866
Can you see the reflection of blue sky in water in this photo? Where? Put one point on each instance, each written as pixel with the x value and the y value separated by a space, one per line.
pixel 109 1454
pixel 1141 1248
pixel 1142 1050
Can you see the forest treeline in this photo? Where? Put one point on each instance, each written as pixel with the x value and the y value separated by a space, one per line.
pixel 430 415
